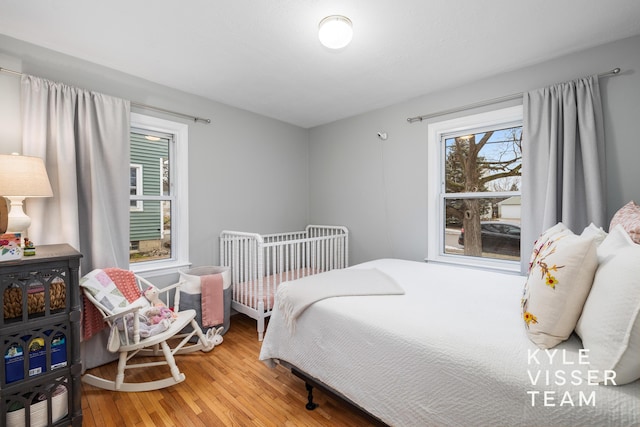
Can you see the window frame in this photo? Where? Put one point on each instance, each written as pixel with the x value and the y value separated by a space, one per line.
pixel 179 196
pixel 508 117
pixel 139 205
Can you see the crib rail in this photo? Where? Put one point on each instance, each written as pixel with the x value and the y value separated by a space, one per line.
pixel 258 263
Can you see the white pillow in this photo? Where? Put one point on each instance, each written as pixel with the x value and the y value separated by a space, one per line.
pixel 597 232
pixel 610 322
pixel 559 281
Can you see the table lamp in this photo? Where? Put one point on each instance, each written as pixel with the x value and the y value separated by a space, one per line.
pixel 22 177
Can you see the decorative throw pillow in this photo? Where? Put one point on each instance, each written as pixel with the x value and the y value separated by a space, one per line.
pixel 629 217
pixel 610 322
pixel 558 284
pixel 543 239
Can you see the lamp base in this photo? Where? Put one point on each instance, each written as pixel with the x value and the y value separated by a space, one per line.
pixel 17 220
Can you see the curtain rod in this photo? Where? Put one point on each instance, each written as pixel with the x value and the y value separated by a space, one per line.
pixel 488 102
pixel 136 104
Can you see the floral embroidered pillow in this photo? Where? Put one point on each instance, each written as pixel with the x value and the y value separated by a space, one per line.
pixel 542 240
pixel 560 277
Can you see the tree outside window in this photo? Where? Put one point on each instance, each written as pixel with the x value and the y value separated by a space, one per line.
pixel 476 166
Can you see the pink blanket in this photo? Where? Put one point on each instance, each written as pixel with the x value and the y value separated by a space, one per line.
pixel 212 300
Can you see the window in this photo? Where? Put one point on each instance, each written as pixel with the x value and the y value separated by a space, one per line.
pixel 474 186
pixel 158 221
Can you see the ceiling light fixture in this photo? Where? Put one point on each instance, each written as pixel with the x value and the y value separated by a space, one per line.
pixel 335 31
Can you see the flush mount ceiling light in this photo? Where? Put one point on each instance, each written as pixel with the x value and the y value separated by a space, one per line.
pixel 335 31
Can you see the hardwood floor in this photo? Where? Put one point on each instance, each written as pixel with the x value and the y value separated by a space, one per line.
pixel 227 387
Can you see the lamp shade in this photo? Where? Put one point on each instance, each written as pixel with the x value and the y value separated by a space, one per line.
pixel 335 31
pixel 23 176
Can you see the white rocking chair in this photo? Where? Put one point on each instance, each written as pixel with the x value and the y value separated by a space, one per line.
pixel 131 335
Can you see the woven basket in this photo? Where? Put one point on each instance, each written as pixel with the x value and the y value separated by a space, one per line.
pixel 35 300
pixel 39 411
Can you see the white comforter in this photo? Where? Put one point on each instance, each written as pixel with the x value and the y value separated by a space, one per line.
pixel 451 351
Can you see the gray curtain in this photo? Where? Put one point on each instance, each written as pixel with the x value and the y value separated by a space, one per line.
pixel 83 138
pixel 563 170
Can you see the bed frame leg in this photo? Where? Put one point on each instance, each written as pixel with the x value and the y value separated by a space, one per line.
pixel 311 405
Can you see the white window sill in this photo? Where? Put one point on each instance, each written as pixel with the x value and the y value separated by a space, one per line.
pixel 158 268
pixel 511 267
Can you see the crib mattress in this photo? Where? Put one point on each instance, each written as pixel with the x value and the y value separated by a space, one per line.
pixel 246 293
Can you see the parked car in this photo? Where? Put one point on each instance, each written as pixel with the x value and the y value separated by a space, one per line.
pixel 498 237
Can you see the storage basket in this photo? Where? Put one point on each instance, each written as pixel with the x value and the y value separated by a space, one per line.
pixel 39 411
pixel 191 292
pixel 12 300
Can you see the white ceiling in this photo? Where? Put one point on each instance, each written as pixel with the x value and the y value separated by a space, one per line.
pixel 264 55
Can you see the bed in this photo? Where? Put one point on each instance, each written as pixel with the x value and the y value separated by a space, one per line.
pixel 449 351
pixel 259 262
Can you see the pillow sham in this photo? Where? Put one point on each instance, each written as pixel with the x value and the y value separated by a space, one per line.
pixel 560 277
pixel 610 322
pixel 597 232
pixel 629 217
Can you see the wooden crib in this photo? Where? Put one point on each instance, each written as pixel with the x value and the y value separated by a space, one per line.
pixel 259 263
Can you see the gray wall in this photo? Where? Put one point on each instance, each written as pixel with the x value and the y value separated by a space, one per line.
pixel 378 188
pixel 246 172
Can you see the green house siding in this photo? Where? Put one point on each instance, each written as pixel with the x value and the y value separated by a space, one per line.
pixel 146 224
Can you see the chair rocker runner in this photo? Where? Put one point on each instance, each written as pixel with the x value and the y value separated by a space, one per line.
pixel 141 324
